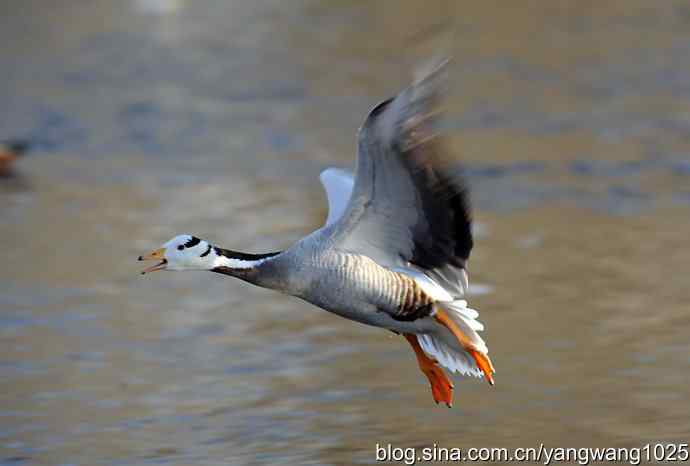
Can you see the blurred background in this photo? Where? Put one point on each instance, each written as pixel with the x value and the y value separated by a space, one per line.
pixel 150 118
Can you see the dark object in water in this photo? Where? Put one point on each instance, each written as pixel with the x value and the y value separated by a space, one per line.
pixel 10 150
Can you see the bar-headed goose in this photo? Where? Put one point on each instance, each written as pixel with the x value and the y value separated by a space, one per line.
pixel 393 252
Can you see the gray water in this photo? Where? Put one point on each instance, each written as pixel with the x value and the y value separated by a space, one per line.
pixel 152 118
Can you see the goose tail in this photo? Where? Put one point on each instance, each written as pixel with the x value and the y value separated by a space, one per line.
pixel 456 344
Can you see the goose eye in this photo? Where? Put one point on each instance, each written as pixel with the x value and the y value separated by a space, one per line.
pixel 180 247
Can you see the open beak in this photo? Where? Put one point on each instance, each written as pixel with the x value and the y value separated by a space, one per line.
pixel 158 254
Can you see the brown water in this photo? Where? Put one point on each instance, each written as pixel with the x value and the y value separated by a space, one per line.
pixel 210 117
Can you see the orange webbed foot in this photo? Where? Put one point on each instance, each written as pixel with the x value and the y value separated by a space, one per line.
pixel 484 364
pixel 441 385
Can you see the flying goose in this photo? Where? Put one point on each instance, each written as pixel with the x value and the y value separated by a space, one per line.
pixel 393 252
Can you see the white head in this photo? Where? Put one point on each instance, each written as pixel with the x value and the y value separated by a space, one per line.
pixel 183 252
pixel 187 252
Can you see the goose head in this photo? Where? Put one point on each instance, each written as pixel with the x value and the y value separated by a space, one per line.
pixel 183 252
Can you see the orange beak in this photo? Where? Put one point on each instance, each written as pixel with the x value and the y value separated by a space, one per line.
pixel 158 254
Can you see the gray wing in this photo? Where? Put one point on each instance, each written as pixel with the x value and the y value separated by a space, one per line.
pixel 407 209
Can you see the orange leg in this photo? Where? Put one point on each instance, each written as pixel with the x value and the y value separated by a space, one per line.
pixel 482 360
pixel 441 386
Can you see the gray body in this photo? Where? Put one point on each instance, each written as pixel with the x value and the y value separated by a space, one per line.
pixel 347 284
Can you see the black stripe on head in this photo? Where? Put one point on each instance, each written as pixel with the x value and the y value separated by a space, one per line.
pixel 192 242
pixel 204 254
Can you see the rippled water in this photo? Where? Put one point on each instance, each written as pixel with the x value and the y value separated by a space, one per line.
pixel 156 117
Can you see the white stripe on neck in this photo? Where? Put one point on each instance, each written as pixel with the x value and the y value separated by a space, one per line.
pixel 222 261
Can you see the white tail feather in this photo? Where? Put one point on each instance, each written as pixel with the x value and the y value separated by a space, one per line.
pixel 452 359
pixel 466 320
pixel 443 346
pixel 455 358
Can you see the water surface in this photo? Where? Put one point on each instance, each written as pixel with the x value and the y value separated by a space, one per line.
pixel 153 118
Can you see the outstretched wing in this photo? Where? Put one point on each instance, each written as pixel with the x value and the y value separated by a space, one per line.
pixel 407 208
